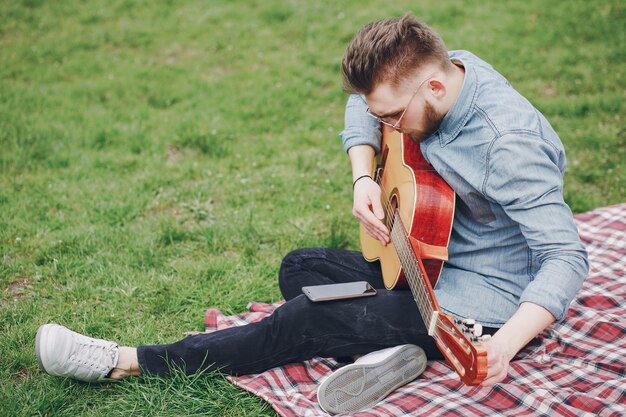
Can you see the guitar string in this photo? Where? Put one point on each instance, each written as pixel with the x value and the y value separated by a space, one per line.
pixel 405 253
pixel 405 238
pixel 458 336
pixel 410 270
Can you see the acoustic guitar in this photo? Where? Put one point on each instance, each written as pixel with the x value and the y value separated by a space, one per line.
pixel 419 210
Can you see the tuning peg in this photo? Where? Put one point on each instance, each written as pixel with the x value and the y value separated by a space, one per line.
pixel 469 322
pixel 485 338
pixel 478 330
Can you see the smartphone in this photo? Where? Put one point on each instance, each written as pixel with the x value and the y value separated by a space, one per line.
pixel 339 291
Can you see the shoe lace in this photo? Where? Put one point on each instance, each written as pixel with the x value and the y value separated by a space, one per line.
pixel 98 354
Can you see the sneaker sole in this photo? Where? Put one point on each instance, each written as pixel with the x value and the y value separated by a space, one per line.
pixel 38 339
pixel 356 387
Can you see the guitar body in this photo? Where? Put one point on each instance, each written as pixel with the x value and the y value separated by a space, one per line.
pixel 425 203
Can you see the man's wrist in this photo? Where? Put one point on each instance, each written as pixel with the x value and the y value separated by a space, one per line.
pixel 528 321
pixel 360 178
pixel 505 346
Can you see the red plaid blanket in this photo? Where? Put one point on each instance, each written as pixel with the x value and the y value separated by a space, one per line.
pixel 575 368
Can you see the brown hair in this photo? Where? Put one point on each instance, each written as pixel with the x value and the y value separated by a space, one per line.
pixel 390 50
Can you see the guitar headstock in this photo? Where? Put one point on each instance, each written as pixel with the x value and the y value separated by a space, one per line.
pixel 460 342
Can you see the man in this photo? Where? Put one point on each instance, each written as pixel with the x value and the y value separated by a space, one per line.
pixel 515 263
pixel 515 257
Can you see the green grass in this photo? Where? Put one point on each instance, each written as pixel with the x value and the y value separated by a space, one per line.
pixel 161 157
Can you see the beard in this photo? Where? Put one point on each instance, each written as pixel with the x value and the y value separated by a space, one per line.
pixel 432 121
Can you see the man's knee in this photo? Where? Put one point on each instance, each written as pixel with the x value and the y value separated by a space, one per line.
pixel 289 263
pixel 292 266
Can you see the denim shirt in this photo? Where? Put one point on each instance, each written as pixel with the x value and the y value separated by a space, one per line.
pixel 513 237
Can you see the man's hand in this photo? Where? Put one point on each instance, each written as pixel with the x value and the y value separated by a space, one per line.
pixel 368 209
pixel 498 359
pixel 528 321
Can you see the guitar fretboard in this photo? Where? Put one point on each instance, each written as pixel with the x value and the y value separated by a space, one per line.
pixel 410 266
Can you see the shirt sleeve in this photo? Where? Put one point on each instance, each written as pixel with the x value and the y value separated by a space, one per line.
pixel 359 128
pixel 525 176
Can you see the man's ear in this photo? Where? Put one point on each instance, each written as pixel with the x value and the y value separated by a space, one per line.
pixel 436 88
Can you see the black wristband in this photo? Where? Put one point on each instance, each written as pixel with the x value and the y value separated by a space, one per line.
pixel 362 176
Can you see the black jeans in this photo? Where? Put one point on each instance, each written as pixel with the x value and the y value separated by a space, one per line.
pixel 301 329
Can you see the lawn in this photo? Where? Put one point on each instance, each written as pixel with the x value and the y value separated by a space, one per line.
pixel 161 157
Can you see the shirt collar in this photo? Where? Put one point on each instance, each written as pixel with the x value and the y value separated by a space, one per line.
pixel 462 108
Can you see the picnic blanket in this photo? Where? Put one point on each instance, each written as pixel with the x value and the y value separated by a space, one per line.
pixel 574 368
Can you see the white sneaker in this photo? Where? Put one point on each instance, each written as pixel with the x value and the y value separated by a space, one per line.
pixel 371 378
pixel 62 352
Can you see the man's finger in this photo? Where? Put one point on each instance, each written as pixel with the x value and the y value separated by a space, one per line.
pixel 378 235
pixel 373 232
pixel 368 219
pixel 377 208
pixel 494 379
pixel 373 221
